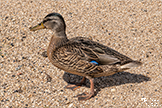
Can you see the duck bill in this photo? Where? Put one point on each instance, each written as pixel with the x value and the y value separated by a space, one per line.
pixel 37 27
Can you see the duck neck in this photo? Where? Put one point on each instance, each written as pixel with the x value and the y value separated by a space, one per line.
pixel 56 41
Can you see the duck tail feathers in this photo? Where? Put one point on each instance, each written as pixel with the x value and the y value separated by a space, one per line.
pixel 131 64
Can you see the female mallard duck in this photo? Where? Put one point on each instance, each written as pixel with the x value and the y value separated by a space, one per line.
pixel 81 56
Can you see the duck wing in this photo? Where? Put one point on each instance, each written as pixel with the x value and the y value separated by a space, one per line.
pixel 100 53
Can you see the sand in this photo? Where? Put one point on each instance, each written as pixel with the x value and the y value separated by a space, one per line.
pixel 132 27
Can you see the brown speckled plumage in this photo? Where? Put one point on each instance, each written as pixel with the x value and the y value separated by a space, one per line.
pixel 75 55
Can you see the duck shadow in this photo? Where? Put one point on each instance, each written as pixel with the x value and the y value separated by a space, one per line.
pixel 107 81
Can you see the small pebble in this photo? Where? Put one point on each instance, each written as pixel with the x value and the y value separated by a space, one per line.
pixel 20 73
pixel 113 90
pixel 12 44
pixel 13 75
pixel 70 105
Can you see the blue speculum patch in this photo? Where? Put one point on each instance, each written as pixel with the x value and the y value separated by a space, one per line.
pixel 94 62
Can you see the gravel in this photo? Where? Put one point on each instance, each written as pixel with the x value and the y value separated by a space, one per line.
pixel 132 27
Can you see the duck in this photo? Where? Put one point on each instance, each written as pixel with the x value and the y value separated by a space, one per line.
pixel 81 56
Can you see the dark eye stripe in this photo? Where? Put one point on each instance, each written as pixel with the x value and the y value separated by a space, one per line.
pixel 47 20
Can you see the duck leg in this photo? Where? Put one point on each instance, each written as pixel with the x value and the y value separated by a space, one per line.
pixel 85 95
pixel 76 86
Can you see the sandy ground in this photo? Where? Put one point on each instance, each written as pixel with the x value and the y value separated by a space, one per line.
pixel 132 27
